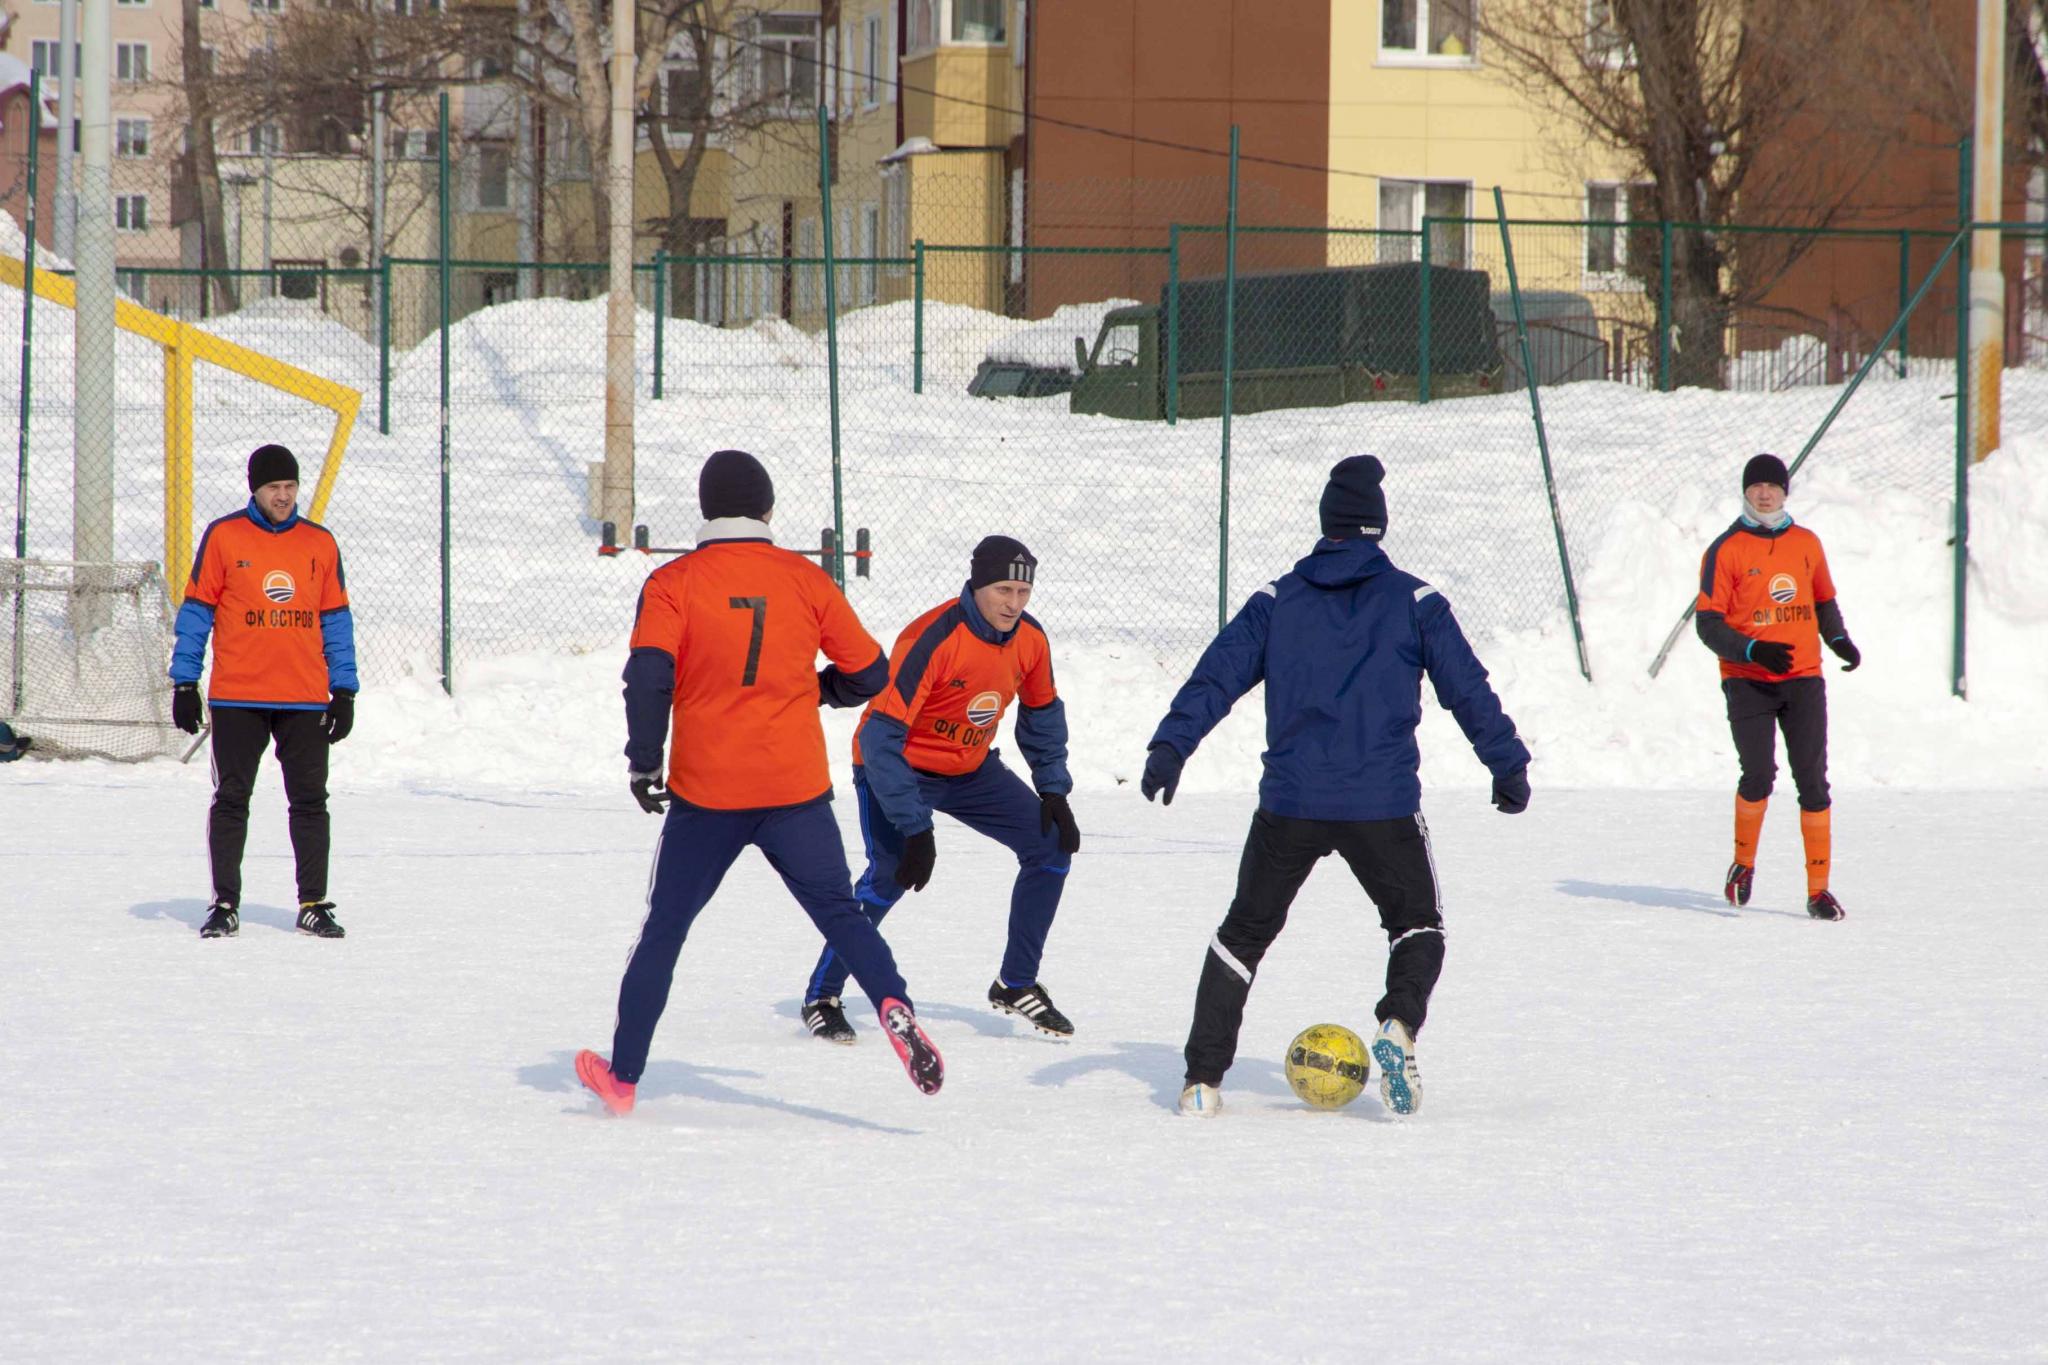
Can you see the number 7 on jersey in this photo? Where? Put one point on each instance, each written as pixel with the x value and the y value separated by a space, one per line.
pixel 759 606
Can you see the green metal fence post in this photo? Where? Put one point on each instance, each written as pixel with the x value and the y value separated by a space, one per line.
pixel 838 565
pixel 383 345
pixel 1173 324
pixel 1229 364
pixel 1664 306
pixel 447 567
pixel 917 318
pixel 1905 287
pixel 1422 356
pixel 1966 191
pixel 660 313
pixel 1564 559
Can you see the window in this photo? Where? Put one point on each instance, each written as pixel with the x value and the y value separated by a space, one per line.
pixel 1611 250
pixel 131 4
pixel 414 144
pixel 896 214
pixel 1016 224
pixel 43 56
pixel 493 175
pixel 979 21
pixel 871 58
pixel 1403 205
pixel 1606 44
pixel 131 212
pixel 1120 346
pixel 870 247
pixel 131 137
pixel 1427 28
pixel 806 275
pixel 923 21
pixel 784 71
pixel 414 6
pixel 262 139
pixel 131 62
pixel 131 283
pixel 263 6
pixel 302 280
pixel 682 89
pixel 1017 31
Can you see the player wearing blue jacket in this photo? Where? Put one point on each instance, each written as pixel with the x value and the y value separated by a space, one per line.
pixel 1342 644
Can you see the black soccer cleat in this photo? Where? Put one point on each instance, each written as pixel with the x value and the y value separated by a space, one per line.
pixel 1823 905
pixel 222 921
pixel 826 1019
pixel 1740 877
pixel 317 918
pixel 1032 1004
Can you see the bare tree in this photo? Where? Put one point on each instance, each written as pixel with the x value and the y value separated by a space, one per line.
pixel 201 163
pixel 1771 112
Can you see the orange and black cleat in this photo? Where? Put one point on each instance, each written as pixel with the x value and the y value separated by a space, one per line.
pixel 1740 875
pixel 1823 905
pixel 596 1075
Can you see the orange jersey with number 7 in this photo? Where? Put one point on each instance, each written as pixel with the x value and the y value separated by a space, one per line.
pixel 744 622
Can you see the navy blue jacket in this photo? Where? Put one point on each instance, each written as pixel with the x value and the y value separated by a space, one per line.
pixel 1342 644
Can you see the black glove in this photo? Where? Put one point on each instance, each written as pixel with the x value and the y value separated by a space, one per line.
pixel 341 715
pixel 914 868
pixel 1771 656
pixel 1511 793
pixel 1846 649
pixel 648 791
pixel 1054 810
pixel 1162 773
pixel 186 712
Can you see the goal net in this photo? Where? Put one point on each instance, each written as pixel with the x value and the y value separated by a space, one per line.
pixel 83 654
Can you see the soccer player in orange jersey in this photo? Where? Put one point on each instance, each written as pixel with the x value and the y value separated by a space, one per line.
pixel 923 747
pixel 724 657
pixel 267 586
pixel 1766 605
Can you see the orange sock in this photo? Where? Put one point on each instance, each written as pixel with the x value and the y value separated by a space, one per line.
pixel 1749 827
pixel 1816 830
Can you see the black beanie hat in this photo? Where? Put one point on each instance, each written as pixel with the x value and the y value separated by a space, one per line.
pixel 272 464
pixel 1353 505
pixel 734 484
pixel 1766 468
pixel 999 559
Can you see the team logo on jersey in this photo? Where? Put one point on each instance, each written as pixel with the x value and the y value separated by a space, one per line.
pixel 1783 589
pixel 278 586
pixel 984 708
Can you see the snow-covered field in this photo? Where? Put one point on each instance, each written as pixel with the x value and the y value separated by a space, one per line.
pixel 1654 1127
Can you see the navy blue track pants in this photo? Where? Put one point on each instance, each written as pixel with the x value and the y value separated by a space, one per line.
pixel 696 848
pixel 993 801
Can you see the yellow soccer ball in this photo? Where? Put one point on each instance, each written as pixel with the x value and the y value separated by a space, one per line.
pixel 1327 1065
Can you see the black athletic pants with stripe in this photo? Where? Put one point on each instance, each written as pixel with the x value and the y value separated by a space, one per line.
pixel 1390 858
pixel 1756 712
pixel 240 735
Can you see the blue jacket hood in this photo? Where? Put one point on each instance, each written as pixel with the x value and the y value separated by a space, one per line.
pixel 257 515
pixel 1341 563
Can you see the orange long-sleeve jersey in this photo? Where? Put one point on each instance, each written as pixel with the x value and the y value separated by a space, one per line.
pixel 731 632
pixel 1768 586
pixel 949 687
pixel 273 597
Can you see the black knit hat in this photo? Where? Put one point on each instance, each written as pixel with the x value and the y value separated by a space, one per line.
pixel 272 464
pixel 1353 505
pixel 1767 468
pixel 734 484
pixel 999 559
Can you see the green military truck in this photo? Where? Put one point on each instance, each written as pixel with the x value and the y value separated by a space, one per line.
pixel 1305 339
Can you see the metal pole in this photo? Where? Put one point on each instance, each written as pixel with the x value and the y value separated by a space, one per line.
pixel 64 232
pixel 1229 364
pixel 92 442
pixel 384 344
pixel 526 152
pixel 447 569
pixel 1564 559
pixel 838 565
pixel 1423 346
pixel 267 132
pixel 1173 324
pixel 620 308
pixel 1663 306
pixel 917 320
pixel 28 316
pixel 376 256
pixel 1966 169
pixel 1905 287
pixel 1986 205
pixel 660 313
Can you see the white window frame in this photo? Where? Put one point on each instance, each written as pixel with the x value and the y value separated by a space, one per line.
pixel 265 6
pixel 52 57
pixel 485 150
pixel 896 215
pixel 1616 277
pixel 125 53
pixel 1020 19
pixel 126 217
pixel 1420 55
pixel 1417 211
pixel 1606 45
pixel 760 43
pixel 915 10
pixel 131 4
pixel 131 139
pixel 872 57
pixel 950 38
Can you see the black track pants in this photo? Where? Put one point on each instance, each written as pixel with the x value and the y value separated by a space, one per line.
pixel 1757 711
pixel 240 735
pixel 1392 861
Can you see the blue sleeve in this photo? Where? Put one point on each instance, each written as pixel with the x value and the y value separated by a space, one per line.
pixel 650 679
pixel 889 774
pixel 188 656
pixel 1461 687
pixel 1232 665
pixel 1042 735
pixel 338 643
pixel 852 689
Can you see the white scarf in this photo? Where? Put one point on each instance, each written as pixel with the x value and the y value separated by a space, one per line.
pixel 1775 521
